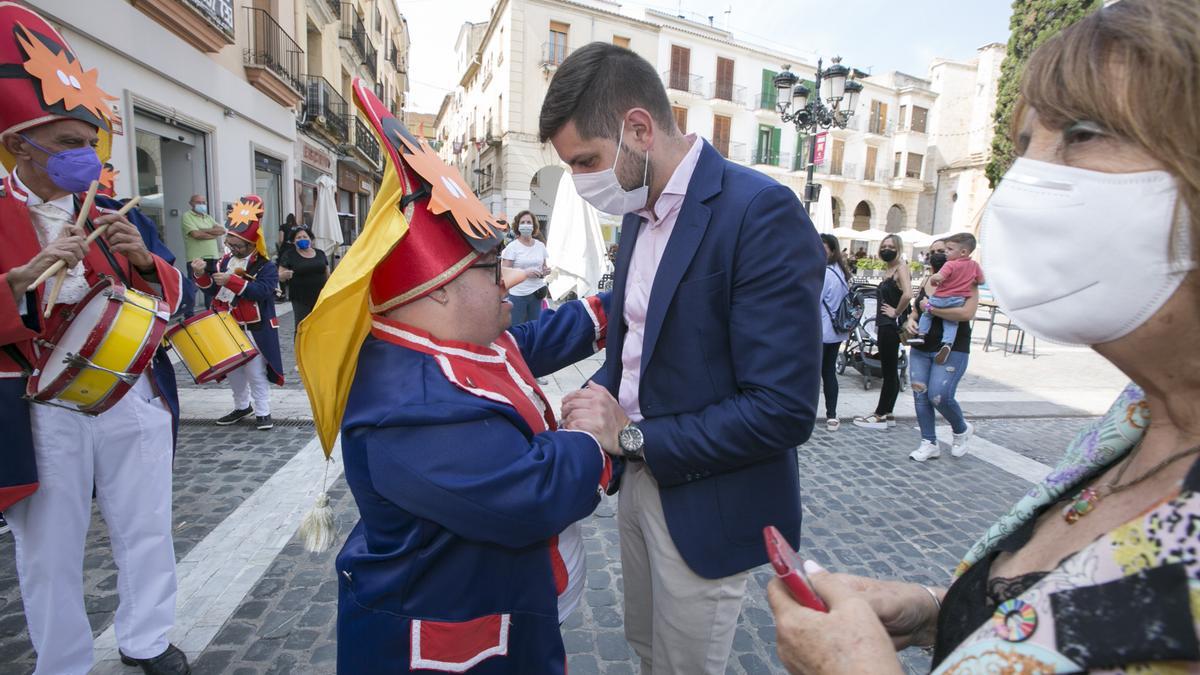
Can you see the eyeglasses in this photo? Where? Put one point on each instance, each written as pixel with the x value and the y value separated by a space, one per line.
pixel 494 264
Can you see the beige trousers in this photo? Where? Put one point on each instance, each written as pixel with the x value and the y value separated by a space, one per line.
pixel 675 620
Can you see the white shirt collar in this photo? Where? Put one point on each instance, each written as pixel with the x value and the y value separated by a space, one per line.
pixel 65 203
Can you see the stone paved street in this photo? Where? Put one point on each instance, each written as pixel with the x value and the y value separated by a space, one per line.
pixel 868 509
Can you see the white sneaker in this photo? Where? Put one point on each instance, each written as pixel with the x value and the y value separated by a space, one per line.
pixel 959 447
pixel 927 450
pixel 872 422
pixel 891 421
pixel 833 424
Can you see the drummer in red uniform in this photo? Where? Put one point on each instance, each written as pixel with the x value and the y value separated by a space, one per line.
pixel 51 457
pixel 245 280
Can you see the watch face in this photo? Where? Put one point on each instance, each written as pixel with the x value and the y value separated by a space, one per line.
pixel 631 439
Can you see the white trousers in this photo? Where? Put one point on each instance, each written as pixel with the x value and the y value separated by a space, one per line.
pixel 675 620
pixel 126 453
pixel 250 384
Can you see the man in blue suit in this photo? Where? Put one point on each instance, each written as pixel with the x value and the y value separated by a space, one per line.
pixel 713 354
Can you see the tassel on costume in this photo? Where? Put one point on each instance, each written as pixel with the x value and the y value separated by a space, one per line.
pixel 318 529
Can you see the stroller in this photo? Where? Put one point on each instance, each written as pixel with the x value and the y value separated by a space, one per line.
pixel 860 350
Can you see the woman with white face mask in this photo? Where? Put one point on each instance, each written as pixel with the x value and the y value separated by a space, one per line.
pixel 1096 567
pixel 527 252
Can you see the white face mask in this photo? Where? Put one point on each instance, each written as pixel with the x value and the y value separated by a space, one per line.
pixel 525 230
pixel 602 190
pixel 1102 265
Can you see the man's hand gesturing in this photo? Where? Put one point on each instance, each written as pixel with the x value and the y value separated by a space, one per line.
pixel 594 410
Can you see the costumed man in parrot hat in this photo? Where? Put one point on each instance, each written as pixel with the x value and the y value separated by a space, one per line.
pixel 53 118
pixel 467 556
pixel 246 279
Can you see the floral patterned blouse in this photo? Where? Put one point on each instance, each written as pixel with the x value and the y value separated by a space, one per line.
pixel 1128 602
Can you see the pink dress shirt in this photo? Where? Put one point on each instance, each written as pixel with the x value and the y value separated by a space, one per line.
pixel 647 253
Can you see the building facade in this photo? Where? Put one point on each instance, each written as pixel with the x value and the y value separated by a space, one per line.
pixel 880 171
pixel 223 99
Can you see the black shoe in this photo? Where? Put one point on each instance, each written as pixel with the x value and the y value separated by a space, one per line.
pixel 4 528
pixel 235 416
pixel 942 355
pixel 171 662
pixel 264 422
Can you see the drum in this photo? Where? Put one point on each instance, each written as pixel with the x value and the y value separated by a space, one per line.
pixel 210 345
pixel 101 349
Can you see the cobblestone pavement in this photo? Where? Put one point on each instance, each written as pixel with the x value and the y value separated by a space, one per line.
pixel 867 510
pixel 215 469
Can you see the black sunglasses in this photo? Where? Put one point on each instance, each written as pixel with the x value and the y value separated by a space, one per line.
pixel 484 266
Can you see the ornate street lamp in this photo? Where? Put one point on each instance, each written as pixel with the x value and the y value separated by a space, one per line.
pixel 830 103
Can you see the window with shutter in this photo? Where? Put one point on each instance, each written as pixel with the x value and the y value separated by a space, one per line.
pixel 681 67
pixel 835 162
pixel 621 41
pixel 680 117
pixel 724 89
pixel 869 165
pixel 558 42
pixel 913 169
pixel 768 97
pixel 919 119
pixel 720 137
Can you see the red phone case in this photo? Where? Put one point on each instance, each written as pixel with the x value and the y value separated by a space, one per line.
pixel 790 569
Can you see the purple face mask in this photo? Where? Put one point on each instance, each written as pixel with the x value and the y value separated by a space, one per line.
pixel 72 170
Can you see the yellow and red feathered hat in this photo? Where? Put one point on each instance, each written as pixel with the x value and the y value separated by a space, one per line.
pixel 448 227
pixel 244 222
pixel 41 79
pixel 425 228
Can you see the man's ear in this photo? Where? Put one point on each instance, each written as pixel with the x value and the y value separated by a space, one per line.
pixel 642 129
pixel 16 146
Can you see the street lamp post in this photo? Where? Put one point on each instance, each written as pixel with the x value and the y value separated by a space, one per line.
pixel 823 110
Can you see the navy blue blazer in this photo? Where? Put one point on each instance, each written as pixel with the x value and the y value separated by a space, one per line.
pixel 731 362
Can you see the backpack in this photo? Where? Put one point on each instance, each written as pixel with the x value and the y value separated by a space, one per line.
pixel 849 311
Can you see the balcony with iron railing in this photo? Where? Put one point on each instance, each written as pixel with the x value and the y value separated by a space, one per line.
pixel 736 152
pixel 325 109
pixel 773 158
pixel 727 91
pixel 354 30
pixel 684 82
pixel 553 54
pixel 766 100
pixel 365 142
pixel 272 59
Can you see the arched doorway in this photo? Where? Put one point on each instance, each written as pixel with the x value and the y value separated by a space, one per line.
pixel 895 218
pixel 837 211
pixel 862 217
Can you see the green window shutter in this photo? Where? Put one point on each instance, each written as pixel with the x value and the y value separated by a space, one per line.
pixel 801 158
pixel 768 97
pixel 776 137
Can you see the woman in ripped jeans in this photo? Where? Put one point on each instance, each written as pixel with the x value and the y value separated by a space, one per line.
pixel 934 386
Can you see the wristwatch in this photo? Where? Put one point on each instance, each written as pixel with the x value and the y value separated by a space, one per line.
pixel 631 441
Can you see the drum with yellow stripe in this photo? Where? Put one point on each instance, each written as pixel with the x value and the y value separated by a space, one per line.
pixel 210 345
pixel 100 351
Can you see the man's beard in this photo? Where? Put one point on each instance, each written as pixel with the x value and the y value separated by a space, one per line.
pixel 632 171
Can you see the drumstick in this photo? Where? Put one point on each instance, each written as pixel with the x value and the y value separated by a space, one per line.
pixel 53 269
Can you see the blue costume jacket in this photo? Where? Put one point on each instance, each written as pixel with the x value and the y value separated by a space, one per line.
pixel 462 484
pixel 254 306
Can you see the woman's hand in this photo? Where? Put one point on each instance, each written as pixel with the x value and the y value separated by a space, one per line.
pixel 847 639
pixel 911 325
pixel 888 310
pixel 285 274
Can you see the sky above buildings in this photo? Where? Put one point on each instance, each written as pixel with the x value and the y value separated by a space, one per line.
pixel 872 35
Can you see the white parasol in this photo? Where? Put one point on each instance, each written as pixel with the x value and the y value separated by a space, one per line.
pixel 327 231
pixel 822 215
pixel 575 244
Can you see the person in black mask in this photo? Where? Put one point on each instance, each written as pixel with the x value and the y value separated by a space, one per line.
pixel 894 294
pixel 934 385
